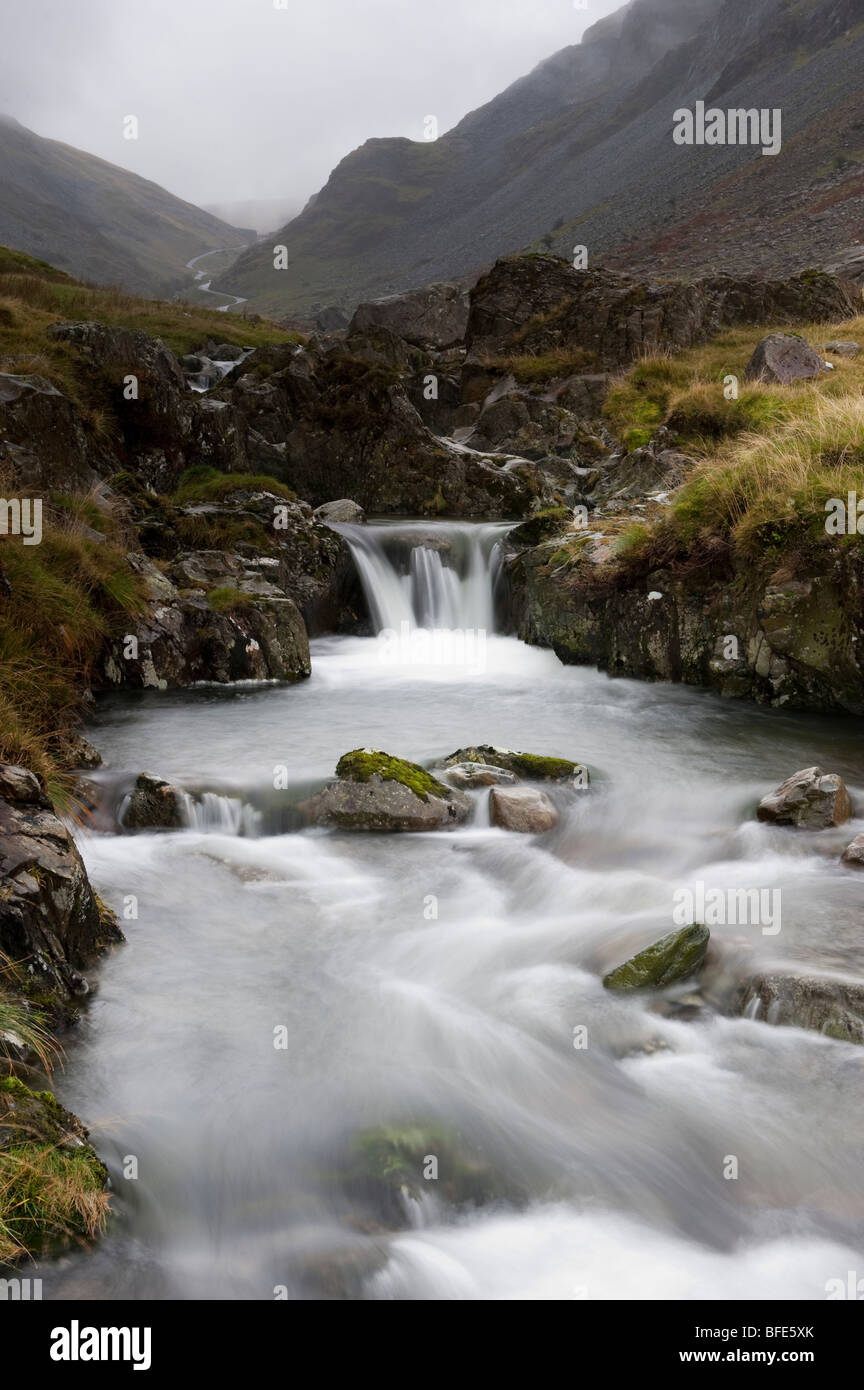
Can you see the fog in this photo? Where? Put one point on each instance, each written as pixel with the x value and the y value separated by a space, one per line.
pixel 255 101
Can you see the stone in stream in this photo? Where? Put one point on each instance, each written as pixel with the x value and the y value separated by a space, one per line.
pixel 782 358
pixel 470 775
pixel 375 791
pixel 533 767
pixel 810 799
pixel 674 957
pixel 523 809
pixel 830 1006
pixel 155 805
pixel 50 919
pixel 853 854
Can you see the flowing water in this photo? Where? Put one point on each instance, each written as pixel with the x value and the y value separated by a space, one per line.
pixel 609 1158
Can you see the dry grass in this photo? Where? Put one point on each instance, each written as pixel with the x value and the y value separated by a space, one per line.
pixel 47 1192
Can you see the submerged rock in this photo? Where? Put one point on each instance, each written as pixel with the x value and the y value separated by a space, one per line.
pixel 781 358
pixel 50 919
pixel 155 805
pixel 376 791
pixel 523 809
pixel 532 766
pixel 674 957
pixel 833 1007
pixel 810 799
pixel 390 1167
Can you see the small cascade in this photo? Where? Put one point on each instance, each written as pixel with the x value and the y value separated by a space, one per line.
pixel 213 814
pixel 428 574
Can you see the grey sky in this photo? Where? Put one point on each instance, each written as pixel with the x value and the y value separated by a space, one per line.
pixel 238 99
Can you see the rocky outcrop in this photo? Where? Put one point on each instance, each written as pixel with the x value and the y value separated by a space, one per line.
pixel 43 445
pixel 746 632
pixel 375 791
pixel 810 799
pixel 831 1006
pixel 526 810
pixel 537 304
pixel 673 958
pixel 232 633
pixel 782 358
pixel 343 510
pixel 433 317
pixel 52 926
pixel 155 804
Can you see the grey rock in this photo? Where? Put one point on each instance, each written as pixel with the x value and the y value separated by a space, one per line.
pixel 782 358
pixel 829 1006
pixel 470 775
pixel 843 349
pixel 810 799
pixel 853 854
pixel 343 510
pixel 435 316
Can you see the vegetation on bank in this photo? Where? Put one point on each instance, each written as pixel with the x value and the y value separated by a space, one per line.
pixel 766 463
pixel 52 1185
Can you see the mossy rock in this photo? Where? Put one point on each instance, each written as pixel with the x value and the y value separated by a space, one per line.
pixel 362 764
pixel 539 527
pixel 675 957
pixel 534 767
pixel 391 1164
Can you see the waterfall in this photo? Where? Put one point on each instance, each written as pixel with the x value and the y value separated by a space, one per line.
pixel 428 574
pixel 215 814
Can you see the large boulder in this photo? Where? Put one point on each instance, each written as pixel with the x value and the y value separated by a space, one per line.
pixel 534 767
pixel 830 1006
pixel 675 957
pixel 343 510
pixel 156 805
pixel 523 809
pixel 50 919
pixel 435 316
pixel 375 791
pixel 782 358
pixel 810 799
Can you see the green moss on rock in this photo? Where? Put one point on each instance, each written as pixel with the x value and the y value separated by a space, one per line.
pixel 362 764
pixel 534 767
pixel 674 957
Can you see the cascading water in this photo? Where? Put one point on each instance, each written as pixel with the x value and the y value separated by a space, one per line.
pixel 603 1166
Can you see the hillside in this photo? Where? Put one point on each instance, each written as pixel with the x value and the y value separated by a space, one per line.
pixel 580 151
pixel 98 221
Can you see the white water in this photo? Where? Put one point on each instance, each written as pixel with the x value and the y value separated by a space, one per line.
pixel 611 1158
pixel 230 301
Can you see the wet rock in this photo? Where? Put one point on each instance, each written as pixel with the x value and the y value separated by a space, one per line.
pixel 810 799
pixel 50 919
pixel 435 316
pixel 76 751
pixel 390 1167
pixel 42 440
pixel 523 809
pixel 156 805
pixel 675 957
pixel 470 775
pixel 343 510
pixel 829 1006
pixel 551 521
pixel 782 358
pixel 531 766
pixel 227 352
pixel 376 791
pixel 853 854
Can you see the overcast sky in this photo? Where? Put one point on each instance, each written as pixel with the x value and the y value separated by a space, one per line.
pixel 259 99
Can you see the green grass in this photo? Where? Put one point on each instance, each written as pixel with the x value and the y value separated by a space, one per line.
pixel 48 1194
pixel 204 484
pixel 558 362
pixel 225 599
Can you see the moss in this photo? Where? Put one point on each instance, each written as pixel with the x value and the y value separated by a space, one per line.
pixel 532 766
pixel 674 957
pixel 542 524
pixel 364 763
pixel 225 599
pixel 392 1160
pixel 201 483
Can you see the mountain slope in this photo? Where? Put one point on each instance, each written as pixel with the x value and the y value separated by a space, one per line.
pixel 580 151
pixel 97 221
